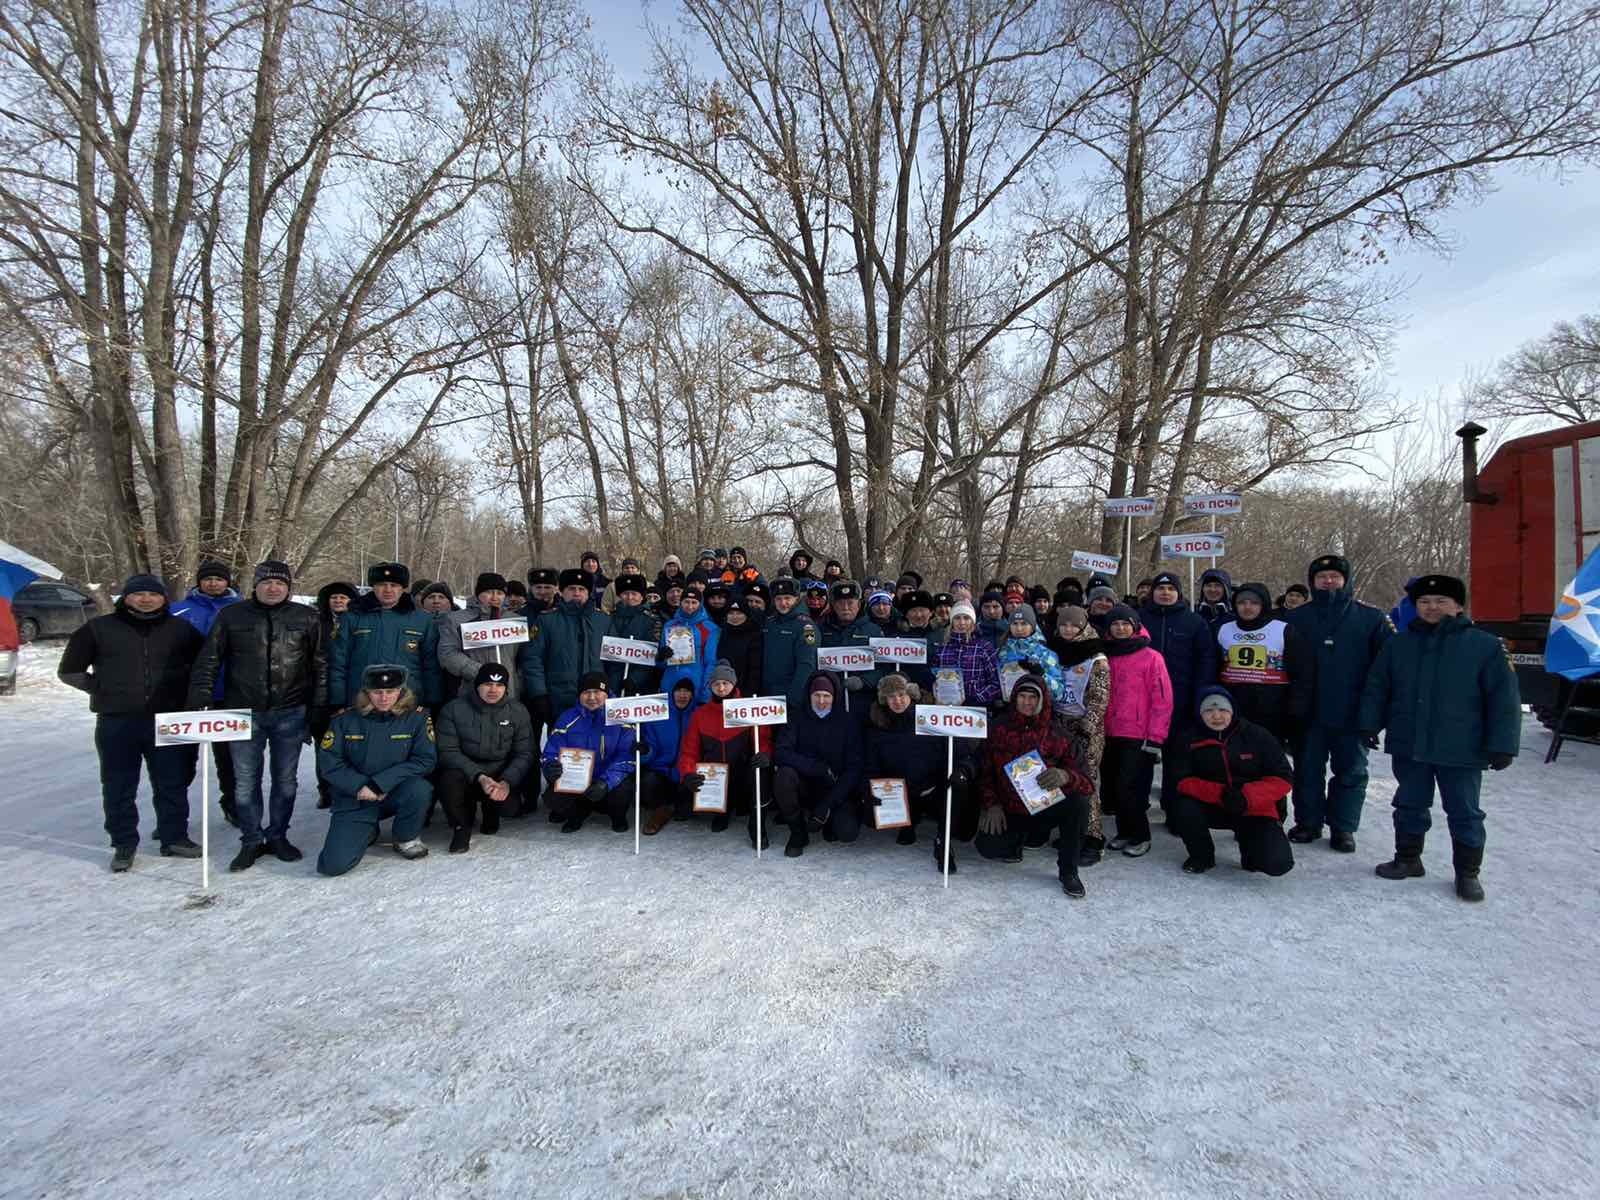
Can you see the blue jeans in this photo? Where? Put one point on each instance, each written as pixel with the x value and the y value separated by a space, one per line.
pixel 124 743
pixel 283 729
pixel 1336 801
pixel 1458 789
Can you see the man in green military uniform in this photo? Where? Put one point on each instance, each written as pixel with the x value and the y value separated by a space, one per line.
pixel 563 645
pixel 788 645
pixel 385 626
pixel 376 757
pixel 1448 697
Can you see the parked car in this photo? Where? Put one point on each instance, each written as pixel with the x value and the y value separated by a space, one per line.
pixel 48 609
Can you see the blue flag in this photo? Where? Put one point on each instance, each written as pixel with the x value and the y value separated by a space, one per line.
pixel 1573 647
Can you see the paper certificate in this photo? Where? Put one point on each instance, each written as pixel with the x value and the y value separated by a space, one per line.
pixel 681 642
pixel 891 808
pixel 1009 674
pixel 577 771
pixel 712 795
pixel 947 687
pixel 1024 774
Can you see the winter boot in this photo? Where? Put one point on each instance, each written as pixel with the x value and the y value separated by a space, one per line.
pixel 1197 866
pixel 246 858
pixel 1304 835
pixel 460 841
pixel 1091 851
pixel 1344 843
pixel 413 849
pixel 750 832
pixel 938 856
pixel 121 858
pixel 719 823
pixel 182 848
pixel 906 837
pixel 284 850
pixel 1073 886
pixel 1407 861
pixel 798 840
pixel 1467 861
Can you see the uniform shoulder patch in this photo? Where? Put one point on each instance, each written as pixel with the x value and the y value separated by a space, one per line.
pixel 809 632
pixel 428 721
pixel 327 740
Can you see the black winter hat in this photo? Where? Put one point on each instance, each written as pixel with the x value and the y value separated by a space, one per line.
pixel 1167 577
pixel 388 572
pixel 1258 590
pixel 441 588
pixel 943 600
pixel 785 587
pixel 539 575
pixel 799 554
pixel 340 589
pixel 145 583
pixel 1299 589
pixel 758 589
pixel 383 675
pixel 737 550
pixel 845 589
pixel 212 569
pixel 1328 562
pixel 272 569
pixel 489 581
pixel 992 596
pixel 515 587
pixel 631 583
pixel 491 673
pixel 919 599
pixel 831 563
pixel 591 680
pixel 1437 585
pixel 1121 612
pixel 717 588
pixel 576 577
pixel 586 556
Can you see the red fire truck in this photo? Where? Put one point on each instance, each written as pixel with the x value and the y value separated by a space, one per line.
pixel 1535 513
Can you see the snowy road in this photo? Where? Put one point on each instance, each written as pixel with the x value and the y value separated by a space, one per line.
pixel 550 1016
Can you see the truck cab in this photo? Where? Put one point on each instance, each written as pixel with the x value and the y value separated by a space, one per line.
pixel 1535 515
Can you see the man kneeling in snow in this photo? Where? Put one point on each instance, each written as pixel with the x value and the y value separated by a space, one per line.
pixel 1233 775
pixel 376 757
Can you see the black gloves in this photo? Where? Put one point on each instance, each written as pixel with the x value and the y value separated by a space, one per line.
pixel 596 792
pixel 551 771
pixel 1031 667
pixel 1052 777
pixel 663 654
pixel 1499 762
pixel 1233 801
pixel 960 777
pixel 693 781
pixel 1369 740
pixel 761 761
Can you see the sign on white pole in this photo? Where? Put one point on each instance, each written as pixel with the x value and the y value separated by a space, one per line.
pixel 845 658
pixel 1213 504
pixel 941 720
pixel 207 725
pixel 899 650
pixel 503 632
pixel 1088 560
pixel 756 711
pixel 629 651
pixel 637 710
pixel 192 728
pixel 1193 545
pixel 950 722
pixel 1130 506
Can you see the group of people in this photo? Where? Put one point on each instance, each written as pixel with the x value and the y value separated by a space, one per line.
pixel 1247 702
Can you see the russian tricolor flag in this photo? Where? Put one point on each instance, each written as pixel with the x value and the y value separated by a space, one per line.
pixel 17 571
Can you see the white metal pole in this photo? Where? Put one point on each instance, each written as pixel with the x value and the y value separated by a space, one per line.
pixel 636 787
pixel 1127 558
pixel 949 794
pixel 205 817
pixel 1191 580
pixel 758 796
pixel 1213 530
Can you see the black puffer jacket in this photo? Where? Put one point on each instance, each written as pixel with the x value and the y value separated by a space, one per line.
pixel 140 665
pixel 485 739
pixel 270 657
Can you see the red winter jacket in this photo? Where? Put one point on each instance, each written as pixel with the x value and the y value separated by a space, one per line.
pixel 708 740
pixel 1011 735
pixel 1243 756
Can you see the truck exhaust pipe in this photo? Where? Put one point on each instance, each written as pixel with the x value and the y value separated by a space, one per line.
pixel 1470 492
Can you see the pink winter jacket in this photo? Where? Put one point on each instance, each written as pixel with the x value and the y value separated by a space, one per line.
pixel 1141 693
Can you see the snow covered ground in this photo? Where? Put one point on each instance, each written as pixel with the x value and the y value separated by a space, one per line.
pixel 551 1016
